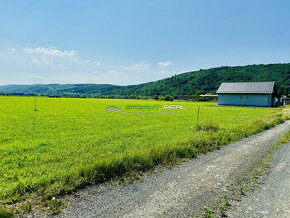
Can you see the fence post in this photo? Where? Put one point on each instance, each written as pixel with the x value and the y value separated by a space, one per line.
pixel 35 108
pixel 197 117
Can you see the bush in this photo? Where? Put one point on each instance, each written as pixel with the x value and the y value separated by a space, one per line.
pixel 168 98
pixel 156 97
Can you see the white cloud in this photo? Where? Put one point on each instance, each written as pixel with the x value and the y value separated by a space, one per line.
pixel 12 49
pixel 41 60
pixel 164 63
pixel 141 66
pixel 98 63
pixel 50 51
pixel 56 57
pixel 164 71
pixel 93 63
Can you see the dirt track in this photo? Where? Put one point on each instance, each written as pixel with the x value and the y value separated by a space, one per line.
pixel 271 199
pixel 179 192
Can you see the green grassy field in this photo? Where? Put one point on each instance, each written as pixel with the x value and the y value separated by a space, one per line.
pixel 70 143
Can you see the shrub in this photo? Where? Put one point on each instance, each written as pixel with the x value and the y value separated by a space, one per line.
pixel 168 98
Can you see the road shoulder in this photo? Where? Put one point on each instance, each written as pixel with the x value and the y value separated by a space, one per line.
pixel 272 198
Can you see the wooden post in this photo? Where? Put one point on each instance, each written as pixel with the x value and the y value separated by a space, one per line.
pixel 211 128
pixel 35 108
pixel 197 117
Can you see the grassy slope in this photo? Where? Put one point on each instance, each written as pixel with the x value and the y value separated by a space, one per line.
pixel 71 143
pixel 202 81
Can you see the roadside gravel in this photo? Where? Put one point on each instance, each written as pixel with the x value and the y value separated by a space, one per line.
pixel 272 199
pixel 179 192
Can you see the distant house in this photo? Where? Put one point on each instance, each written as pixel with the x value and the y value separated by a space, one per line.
pixel 257 94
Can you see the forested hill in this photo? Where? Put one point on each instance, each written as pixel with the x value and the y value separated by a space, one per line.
pixel 197 82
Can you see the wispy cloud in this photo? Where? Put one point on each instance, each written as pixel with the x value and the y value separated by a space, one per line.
pixel 164 64
pixel 141 66
pixel 93 63
pixel 53 56
pixel 164 71
pixel 49 51
pixel 12 49
pixel 40 60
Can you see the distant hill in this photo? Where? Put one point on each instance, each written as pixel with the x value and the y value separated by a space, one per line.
pixel 196 82
pixel 60 89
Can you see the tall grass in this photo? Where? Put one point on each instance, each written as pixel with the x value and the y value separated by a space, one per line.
pixel 71 143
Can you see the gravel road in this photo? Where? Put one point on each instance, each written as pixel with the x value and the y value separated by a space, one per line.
pixel 179 192
pixel 272 199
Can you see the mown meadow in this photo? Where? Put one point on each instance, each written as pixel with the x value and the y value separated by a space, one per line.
pixel 69 143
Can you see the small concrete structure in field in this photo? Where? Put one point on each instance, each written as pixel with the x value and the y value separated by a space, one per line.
pixel 256 94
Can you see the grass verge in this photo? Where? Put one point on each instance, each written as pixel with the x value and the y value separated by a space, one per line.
pixel 248 182
pixel 5 213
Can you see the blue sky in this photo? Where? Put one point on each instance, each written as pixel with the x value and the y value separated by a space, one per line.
pixel 128 42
